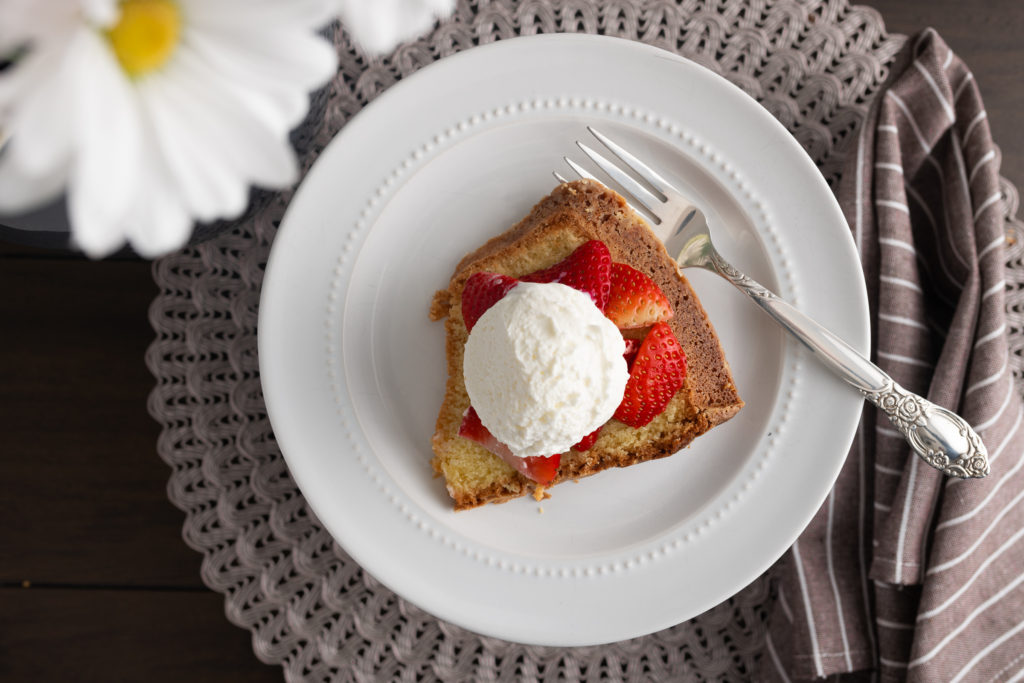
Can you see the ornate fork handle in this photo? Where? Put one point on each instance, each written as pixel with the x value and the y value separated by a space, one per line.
pixel 943 439
pixel 933 432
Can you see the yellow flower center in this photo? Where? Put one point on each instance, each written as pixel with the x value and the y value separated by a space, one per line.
pixel 145 34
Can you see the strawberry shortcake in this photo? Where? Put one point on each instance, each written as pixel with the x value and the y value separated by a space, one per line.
pixel 574 345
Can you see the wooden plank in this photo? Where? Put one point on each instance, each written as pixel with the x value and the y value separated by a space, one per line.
pixel 84 490
pixel 11 245
pixel 987 37
pixel 123 635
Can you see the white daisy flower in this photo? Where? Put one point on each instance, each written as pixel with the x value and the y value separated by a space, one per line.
pixel 153 114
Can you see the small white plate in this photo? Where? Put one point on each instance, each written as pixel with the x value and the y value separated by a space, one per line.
pixel 353 371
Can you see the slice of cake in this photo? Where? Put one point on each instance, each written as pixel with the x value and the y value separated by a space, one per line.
pixel 579 226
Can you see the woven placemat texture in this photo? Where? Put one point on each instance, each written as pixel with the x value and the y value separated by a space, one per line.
pixel 814 64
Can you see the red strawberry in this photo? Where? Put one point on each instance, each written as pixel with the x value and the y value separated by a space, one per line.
pixel 635 301
pixel 587 269
pixel 632 347
pixel 482 291
pixel 657 374
pixel 588 441
pixel 541 469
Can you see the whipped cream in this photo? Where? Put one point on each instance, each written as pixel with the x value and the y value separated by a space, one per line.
pixel 544 368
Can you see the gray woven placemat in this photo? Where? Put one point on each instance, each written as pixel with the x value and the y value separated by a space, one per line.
pixel 813 63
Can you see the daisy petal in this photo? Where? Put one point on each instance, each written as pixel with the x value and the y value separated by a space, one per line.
pixel 32 22
pixel 157 222
pixel 165 228
pixel 279 109
pixel 100 12
pixel 287 56
pixel 206 185
pixel 108 128
pixel 280 104
pixel 20 192
pixel 18 79
pixel 380 25
pixel 40 128
pixel 243 143
pixel 259 14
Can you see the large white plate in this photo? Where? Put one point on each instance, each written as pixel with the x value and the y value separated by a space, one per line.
pixel 353 371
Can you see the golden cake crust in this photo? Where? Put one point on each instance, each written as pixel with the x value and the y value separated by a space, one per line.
pixel 571 215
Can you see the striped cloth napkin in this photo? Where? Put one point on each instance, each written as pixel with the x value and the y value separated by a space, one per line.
pixel 904 574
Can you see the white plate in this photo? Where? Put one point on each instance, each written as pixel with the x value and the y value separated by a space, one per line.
pixel 353 371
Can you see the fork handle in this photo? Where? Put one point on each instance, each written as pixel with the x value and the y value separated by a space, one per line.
pixel 943 439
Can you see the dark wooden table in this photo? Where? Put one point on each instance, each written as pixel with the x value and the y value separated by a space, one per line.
pixel 95 580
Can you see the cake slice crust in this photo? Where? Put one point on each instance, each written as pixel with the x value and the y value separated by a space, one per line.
pixel 571 215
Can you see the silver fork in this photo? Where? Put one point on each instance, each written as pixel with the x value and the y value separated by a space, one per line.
pixel 943 439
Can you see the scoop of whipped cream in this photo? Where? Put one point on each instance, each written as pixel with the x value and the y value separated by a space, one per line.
pixel 544 368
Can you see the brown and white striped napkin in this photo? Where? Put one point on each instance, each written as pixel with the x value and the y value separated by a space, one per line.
pixel 903 574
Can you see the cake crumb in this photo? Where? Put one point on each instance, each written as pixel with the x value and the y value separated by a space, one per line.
pixel 540 509
pixel 440 305
pixel 540 493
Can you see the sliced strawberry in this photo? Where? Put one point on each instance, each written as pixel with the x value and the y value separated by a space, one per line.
pixel 541 469
pixel 632 347
pixel 587 442
pixel 635 301
pixel 657 374
pixel 482 291
pixel 587 269
pixel 474 430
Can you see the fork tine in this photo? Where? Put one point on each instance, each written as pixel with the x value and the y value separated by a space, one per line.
pixel 640 168
pixel 580 171
pixel 559 177
pixel 640 194
pixel 584 173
